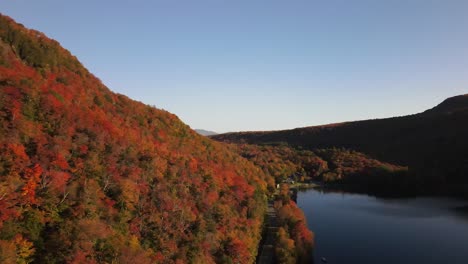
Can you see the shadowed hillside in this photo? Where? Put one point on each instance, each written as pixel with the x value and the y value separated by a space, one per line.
pixel 433 144
pixel 90 176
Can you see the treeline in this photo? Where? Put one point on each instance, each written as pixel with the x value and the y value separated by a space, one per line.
pixel 90 176
pixel 356 171
pixel 336 167
pixel 283 162
pixel 432 145
pixel 35 49
pixel 295 240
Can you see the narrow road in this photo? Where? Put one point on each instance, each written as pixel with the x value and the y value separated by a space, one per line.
pixel 267 250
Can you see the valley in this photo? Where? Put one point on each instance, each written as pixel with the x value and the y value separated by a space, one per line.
pixel 89 175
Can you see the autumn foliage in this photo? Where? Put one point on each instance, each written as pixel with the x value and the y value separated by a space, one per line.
pixel 431 147
pixel 282 161
pixel 334 167
pixel 295 240
pixel 90 176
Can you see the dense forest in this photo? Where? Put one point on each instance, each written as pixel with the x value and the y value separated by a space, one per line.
pixel 295 241
pixel 421 153
pixel 334 167
pixel 91 176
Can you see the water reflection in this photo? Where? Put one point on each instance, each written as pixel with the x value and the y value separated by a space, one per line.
pixel 357 228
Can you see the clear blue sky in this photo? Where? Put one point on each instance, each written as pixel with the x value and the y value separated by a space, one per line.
pixel 263 65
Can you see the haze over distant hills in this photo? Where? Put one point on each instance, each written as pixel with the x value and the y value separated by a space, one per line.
pixel 205 132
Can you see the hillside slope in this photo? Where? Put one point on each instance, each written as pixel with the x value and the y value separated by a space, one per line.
pixel 433 144
pixel 90 176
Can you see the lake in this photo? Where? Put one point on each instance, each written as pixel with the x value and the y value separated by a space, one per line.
pixel 356 228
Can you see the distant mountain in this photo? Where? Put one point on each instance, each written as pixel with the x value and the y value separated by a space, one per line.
pixel 433 144
pixel 91 176
pixel 205 132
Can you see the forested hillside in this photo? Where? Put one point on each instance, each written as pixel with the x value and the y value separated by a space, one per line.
pixel 90 176
pixel 433 144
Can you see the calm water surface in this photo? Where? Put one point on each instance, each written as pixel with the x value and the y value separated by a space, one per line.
pixel 356 228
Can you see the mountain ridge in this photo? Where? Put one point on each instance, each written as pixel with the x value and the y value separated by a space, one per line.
pixel 431 143
pixel 91 176
pixel 450 105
